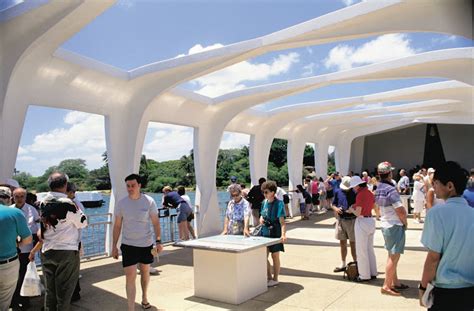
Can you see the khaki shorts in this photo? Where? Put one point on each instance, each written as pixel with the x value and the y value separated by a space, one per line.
pixel 345 229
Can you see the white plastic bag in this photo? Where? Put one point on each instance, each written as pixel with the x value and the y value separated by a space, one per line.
pixel 32 283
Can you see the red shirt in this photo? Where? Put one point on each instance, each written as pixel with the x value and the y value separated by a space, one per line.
pixel 366 200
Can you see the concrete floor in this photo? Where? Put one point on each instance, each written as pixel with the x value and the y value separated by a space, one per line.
pixel 307 281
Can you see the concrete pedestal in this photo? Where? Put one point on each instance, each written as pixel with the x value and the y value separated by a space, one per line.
pixel 230 269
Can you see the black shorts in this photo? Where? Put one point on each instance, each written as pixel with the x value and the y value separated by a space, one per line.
pixel 190 217
pixel 330 194
pixel 131 255
pixel 286 199
pixel 315 199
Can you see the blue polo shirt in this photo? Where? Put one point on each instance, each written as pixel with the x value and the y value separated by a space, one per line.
pixel 449 230
pixel 469 196
pixel 335 183
pixel 12 225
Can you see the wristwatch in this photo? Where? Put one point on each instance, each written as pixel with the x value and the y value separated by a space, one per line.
pixel 158 241
pixel 420 287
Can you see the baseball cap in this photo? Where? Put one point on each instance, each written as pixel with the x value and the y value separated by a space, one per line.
pixel 385 167
pixel 345 183
pixel 233 178
pixel 356 180
pixel 5 192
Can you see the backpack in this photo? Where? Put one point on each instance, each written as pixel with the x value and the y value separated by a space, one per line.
pixel 351 272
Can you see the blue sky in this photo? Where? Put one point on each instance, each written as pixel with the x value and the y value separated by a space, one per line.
pixel 135 33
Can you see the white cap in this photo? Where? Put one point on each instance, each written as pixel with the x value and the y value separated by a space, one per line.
pixel 10 182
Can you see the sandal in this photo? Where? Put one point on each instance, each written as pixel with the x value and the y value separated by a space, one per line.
pixel 390 292
pixel 146 306
pixel 339 269
pixel 401 287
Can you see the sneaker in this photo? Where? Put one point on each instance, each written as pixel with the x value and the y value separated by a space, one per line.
pixel 416 221
pixel 154 271
pixel 272 283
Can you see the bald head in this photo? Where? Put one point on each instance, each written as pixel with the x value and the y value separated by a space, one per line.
pixel 19 195
pixel 57 182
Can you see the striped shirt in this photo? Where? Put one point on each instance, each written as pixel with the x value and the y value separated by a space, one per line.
pixel 388 199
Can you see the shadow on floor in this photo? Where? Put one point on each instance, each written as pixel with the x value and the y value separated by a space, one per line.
pixel 278 293
pixel 410 293
pixel 294 241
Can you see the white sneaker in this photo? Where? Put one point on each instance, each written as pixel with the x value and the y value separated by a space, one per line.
pixel 272 283
pixel 154 271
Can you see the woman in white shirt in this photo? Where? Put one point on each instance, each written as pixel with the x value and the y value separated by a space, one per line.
pixel 418 197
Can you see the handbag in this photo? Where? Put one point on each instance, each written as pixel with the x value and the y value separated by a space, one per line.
pixel 273 224
pixel 257 231
pixel 351 272
pixel 32 283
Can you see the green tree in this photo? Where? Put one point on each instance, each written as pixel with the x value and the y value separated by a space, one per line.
pixel 278 152
pixel 74 168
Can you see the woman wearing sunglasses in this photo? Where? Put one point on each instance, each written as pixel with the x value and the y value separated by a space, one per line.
pixel 273 220
pixel 238 212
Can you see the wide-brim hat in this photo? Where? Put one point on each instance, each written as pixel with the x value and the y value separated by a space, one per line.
pixel 10 182
pixel 356 180
pixel 345 183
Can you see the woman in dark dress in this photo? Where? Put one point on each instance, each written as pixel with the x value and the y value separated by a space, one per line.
pixel 273 220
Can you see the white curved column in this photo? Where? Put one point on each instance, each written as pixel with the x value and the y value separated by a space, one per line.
pixel 321 158
pixel 296 148
pixel 343 155
pixel 206 148
pixel 260 146
pixel 11 127
pixel 124 137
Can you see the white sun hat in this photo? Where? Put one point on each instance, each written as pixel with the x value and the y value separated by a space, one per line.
pixel 356 180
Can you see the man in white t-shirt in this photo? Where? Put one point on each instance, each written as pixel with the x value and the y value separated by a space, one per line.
pixel 134 216
pixel 61 221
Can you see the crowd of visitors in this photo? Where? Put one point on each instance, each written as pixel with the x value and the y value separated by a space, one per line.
pixel 445 196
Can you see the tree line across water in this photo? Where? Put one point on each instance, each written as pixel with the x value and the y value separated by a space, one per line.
pixel 156 175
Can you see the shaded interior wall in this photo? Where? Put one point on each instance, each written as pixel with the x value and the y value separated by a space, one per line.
pixel 458 143
pixel 404 148
pixel 357 154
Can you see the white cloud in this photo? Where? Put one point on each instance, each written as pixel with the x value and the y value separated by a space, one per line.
pixel 308 70
pixel 444 39
pixel 126 4
pixel 83 137
pixel 234 140
pixel 86 140
pixel 197 48
pixel 167 142
pixel 232 78
pixel 170 142
pixel 348 2
pixel 381 49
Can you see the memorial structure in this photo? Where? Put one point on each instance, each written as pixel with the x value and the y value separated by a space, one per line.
pixel 36 69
